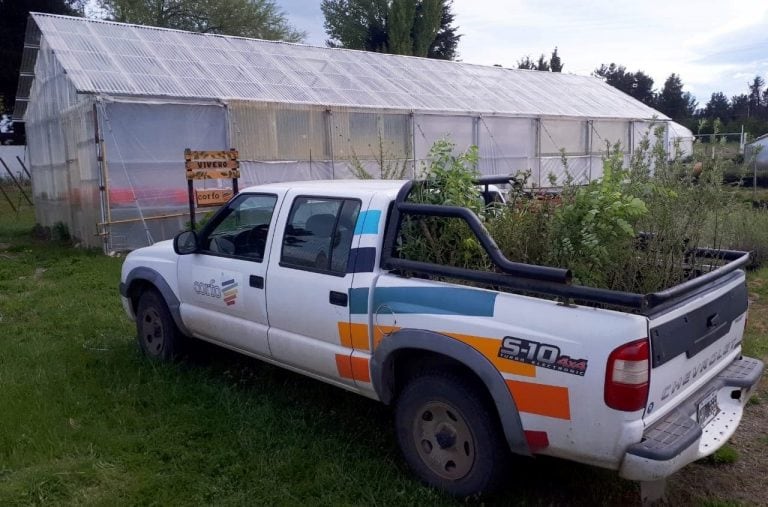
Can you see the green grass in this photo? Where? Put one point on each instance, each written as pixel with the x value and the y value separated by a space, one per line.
pixel 725 455
pixel 85 420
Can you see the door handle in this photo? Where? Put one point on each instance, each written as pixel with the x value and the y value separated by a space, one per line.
pixel 337 298
pixel 256 281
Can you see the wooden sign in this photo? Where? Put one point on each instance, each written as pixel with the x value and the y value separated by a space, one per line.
pixel 212 196
pixel 211 165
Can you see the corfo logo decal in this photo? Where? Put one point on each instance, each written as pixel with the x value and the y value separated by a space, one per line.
pixel 230 291
pixel 227 290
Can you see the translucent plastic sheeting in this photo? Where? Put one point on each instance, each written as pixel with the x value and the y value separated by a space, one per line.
pixel 258 173
pixel 652 130
pixel 106 57
pixel 506 145
pixel 610 133
pixel 459 130
pixel 555 171
pixel 370 135
pixel 757 153
pixel 569 136
pixel 144 146
pixel 53 94
pixel 84 198
pixel 269 132
pixel 680 141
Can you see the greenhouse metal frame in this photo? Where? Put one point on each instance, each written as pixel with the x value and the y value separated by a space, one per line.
pixel 110 107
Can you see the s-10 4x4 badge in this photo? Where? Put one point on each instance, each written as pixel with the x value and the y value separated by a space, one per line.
pixel 541 354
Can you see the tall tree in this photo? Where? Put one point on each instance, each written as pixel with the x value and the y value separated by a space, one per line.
pixel 13 25
pixel 638 84
pixel 410 27
pixel 555 63
pixel 718 107
pixel 400 25
pixel 426 24
pixel 675 103
pixel 755 99
pixel 740 106
pixel 446 40
pixel 261 19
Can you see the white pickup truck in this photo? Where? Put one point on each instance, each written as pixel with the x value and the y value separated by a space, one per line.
pixel 308 276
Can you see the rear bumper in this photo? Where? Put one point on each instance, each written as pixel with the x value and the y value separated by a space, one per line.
pixel 678 439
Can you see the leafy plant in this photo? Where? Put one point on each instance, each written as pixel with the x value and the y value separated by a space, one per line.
pixel 449 180
pixel 595 227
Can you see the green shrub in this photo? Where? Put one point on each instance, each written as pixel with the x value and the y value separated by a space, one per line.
pixel 449 180
pixel 593 232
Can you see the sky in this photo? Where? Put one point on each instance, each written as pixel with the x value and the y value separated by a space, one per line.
pixel 713 46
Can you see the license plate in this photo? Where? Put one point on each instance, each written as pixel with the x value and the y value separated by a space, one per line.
pixel 707 409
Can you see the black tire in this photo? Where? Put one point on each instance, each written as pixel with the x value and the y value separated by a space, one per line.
pixel 156 332
pixel 450 436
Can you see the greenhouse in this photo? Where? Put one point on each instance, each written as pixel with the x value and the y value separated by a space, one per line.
pixel 110 108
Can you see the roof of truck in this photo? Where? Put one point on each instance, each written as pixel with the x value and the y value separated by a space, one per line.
pixel 389 187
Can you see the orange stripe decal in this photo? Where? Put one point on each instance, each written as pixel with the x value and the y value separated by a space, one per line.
pixel 345 334
pixel 359 335
pixel 489 347
pixel 355 336
pixel 379 332
pixel 360 370
pixel 344 365
pixel 540 399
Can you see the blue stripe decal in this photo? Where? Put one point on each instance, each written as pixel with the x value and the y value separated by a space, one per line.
pixel 368 222
pixel 426 300
pixel 361 260
pixel 358 301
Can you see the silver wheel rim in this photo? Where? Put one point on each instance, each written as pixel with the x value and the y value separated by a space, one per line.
pixel 443 440
pixel 152 336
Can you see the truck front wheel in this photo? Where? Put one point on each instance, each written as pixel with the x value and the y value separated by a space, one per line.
pixel 157 334
pixel 449 434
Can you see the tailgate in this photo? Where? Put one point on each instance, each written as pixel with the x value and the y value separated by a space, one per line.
pixel 693 341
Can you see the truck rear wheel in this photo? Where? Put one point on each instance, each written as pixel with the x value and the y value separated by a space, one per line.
pixel 157 334
pixel 449 434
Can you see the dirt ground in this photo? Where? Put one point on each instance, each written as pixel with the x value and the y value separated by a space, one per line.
pixel 745 480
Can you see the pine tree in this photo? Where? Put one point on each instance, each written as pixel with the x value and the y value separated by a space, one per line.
pixel 554 61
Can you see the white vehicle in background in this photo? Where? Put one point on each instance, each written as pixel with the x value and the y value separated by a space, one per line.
pixel 307 276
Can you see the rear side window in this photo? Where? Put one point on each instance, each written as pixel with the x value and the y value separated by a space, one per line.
pixel 318 236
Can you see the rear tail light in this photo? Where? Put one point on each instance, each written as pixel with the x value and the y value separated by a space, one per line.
pixel 626 376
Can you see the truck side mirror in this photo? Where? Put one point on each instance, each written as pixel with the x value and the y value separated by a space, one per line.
pixel 185 243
